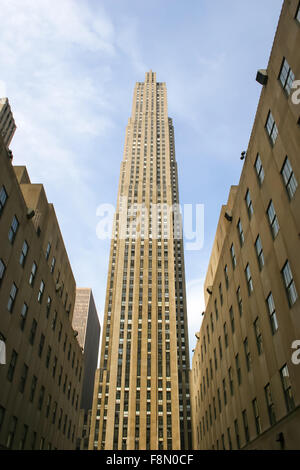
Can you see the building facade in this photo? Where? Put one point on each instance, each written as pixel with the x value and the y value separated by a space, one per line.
pixel 7 122
pixel 41 377
pixel 142 397
pixel 86 323
pixel 245 372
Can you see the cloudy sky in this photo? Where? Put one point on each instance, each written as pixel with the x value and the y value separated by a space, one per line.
pixel 69 69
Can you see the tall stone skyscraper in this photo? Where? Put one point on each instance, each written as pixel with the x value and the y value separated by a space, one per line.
pixel 142 396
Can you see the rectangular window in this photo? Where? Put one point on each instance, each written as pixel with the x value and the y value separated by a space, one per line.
pixel 249 279
pixel 221 293
pixel 273 219
pixel 52 264
pixel 287 388
pixel 259 253
pixel 13 230
pixel 286 77
pixel 230 378
pixel 24 312
pixel 233 257
pixel 225 334
pixel 32 331
pixel 241 233
pixel 11 432
pixel 239 300
pixel 48 251
pixel 24 253
pixel 33 388
pixel 258 336
pixel 289 284
pixel 271 128
pixel 23 378
pixel 12 297
pixel 256 416
pixel 231 315
pixel 259 169
pixel 3 199
pixel 33 274
pixel 226 276
pixel 298 14
pixel 249 204
pixel 2 270
pixel 12 365
pixel 289 178
pixel 247 354
pixel 238 369
pixel 246 427
pixel 237 434
pixel 41 292
pixel 270 405
pixel 272 313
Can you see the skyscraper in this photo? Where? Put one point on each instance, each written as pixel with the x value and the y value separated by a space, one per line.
pixel 141 396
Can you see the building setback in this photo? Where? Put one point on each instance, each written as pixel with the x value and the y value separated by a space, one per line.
pixel 86 323
pixel 245 384
pixel 41 377
pixel 142 397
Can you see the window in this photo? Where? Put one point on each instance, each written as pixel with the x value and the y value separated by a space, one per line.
pixel 233 257
pixel 24 311
pixel 48 251
pixel 2 270
pixel 13 230
pixel 11 432
pixel 247 354
pixel 221 293
pixel 24 253
pixel 226 276
pixel 239 300
pixel 32 331
pixel 256 416
pixel 286 77
pixel 231 315
pixel 41 292
pixel 270 405
pixel 249 279
pixel 225 334
pixel 12 366
pixel 289 178
pixel 273 219
pixel 259 169
pixel 298 14
pixel 259 253
pixel 258 336
pixel 289 284
pixel 237 434
pixel 3 199
pixel 241 233
pixel 12 297
pixel 238 369
pixel 33 274
pixel 52 264
pixel 33 388
pixel 230 378
pixel 41 397
pixel 249 204
pixel 23 378
pixel 272 313
pixel 271 128
pixel 287 388
pixel 246 427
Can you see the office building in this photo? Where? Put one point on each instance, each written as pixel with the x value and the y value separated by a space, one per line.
pixel 142 397
pixel 245 372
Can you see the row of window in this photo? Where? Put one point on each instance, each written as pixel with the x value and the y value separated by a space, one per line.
pixel 63 425
pixel 210 414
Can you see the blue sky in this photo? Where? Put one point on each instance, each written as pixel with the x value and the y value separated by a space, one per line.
pixel 69 68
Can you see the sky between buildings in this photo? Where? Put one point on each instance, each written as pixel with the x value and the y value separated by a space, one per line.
pixel 69 68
